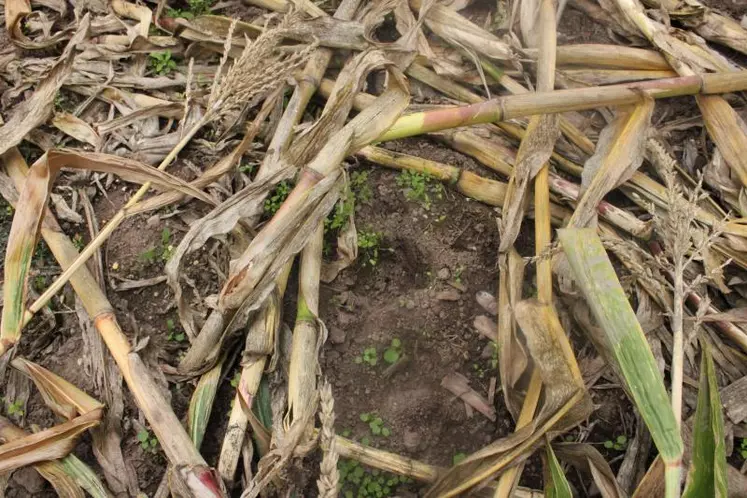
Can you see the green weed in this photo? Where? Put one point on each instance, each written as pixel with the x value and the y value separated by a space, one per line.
pixel 458 458
pixel 743 448
pixel 78 242
pixel 236 380
pixel 458 274
pixel 393 352
pixel 277 197
pixel 161 252
pixel 194 8
pixel 369 243
pixel 148 441
pixel 174 334
pixel 618 444
pixel 369 356
pixel 360 187
pixel 375 424
pixel 357 481
pixel 161 63
pixel 420 188
pixel 16 408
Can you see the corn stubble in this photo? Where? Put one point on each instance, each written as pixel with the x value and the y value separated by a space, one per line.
pixel 531 139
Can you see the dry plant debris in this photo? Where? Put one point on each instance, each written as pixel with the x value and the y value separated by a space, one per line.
pixel 577 170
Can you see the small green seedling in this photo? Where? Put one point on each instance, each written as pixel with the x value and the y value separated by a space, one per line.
pixel 359 481
pixel 340 215
pixel 458 458
pixel 161 252
pixel 458 274
pixel 375 424
pixel 248 168
pixel 277 197
pixel 166 248
pixel 393 352
pixel 369 243
pixel 148 442
pixel 235 380
pixel 16 408
pixel 161 63
pixel 369 356
pixel 743 448
pixel 360 187
pixel 420 188
pixel 494 355
pixel 619 444
pixel 174 335
pixel 78 242
pixel 40 283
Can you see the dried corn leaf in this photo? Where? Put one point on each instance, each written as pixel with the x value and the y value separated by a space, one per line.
pixel 59 395
pixel 460 32
pixel 707 474
pixel 618 156
pixel 513 358
pixel 347 248
pixel 585 457
pixel 534 152
pixel 77 128
pixel 625 345
pixel 221 220
pixel 566 403
pixel 127 169
pixel 366 127
pixel 557 485
pixel 33 199
pixel 458 385
pixel 201 404
pixel 53 471
pixel 16 14
pixel 49 444
pixel 36 110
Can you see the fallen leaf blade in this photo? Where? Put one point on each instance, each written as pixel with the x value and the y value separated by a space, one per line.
pixel 61 396
pixel 20 251
pixel 201 404
pixel 625 345
pixel 49 444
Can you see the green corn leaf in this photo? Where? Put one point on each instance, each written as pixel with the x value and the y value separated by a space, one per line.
pixel 557 485
pixel 201 403
pixel 707 473
pixel 624 345
pixel 84 476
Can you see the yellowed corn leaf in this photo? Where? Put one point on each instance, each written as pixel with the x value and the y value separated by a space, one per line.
pixel 49 444
pixel 59 395
pixel 618 155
